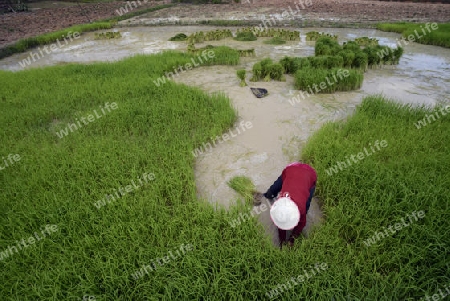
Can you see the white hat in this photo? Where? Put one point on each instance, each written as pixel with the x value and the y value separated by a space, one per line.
pixel 285 213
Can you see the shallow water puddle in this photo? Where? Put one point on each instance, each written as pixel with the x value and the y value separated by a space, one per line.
pixel 282 121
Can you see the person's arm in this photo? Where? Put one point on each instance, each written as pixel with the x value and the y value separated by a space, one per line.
pixel 273 191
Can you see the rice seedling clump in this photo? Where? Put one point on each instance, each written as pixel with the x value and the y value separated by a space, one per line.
pixel 275 41
pixel 245 36
pixel 282 34
pixel 314 35
pixel 241 75
pixel 326 46
pixel 328 80
pixel 107 35
pixel 244 186
pixel 179 37
pixel 366 41
pixel 213 35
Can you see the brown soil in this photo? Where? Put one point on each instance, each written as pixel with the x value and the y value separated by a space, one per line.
pixel 362 12
pixel 336 12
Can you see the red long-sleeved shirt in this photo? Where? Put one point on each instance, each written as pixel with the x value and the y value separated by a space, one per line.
pixel 298 179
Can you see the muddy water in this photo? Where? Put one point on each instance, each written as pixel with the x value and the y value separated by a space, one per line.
pixel 282 121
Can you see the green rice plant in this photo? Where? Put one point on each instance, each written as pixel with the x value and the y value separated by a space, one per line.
pixel 287 63
pixel 300 63
pixel 334 61
pixel 223 55
pixel 395 27
pixel 322 49
pixel 218 34
pixel 179 37
pixel 366 41
pixel 156 129
pixel 318 62
pixel 373 57
pixel 326 61
pixel 265 66
pixel 397 54
pixel 107 35
pixel 361 61
pixel 328 80
pixel 438 35
pixel 348 56
pixel 267 78
pixel 275 41
pixel 314 35
pixel 244 186
pixel 247 53
pixel 384 189
pixel 191 48
pixel 353 81
pixel 196 37
pixel 376 55
pixel 326 46
pixel 282 34
pixel 276 72
pixel 241 75
pixel 382 55
pixel 385 54
pixel 215 22
pixel 257 72
pixel 352 46
pixel 245 36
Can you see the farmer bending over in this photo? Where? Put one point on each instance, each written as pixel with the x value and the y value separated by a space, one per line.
pixel 296 186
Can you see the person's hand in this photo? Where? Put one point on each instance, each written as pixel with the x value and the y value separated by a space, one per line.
pixel 270 198
pixel 257 198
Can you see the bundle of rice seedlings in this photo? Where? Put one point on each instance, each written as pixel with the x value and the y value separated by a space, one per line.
pixel 276 72
pixel 361 61
pixel 257 72
pixel 348 56
pixel 351 45
pixel 287 63
pixel 300 63
pixel 179 37
pixel 241 75
pixel 245 36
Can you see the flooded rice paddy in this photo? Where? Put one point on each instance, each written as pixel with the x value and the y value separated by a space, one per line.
pixel 281 122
